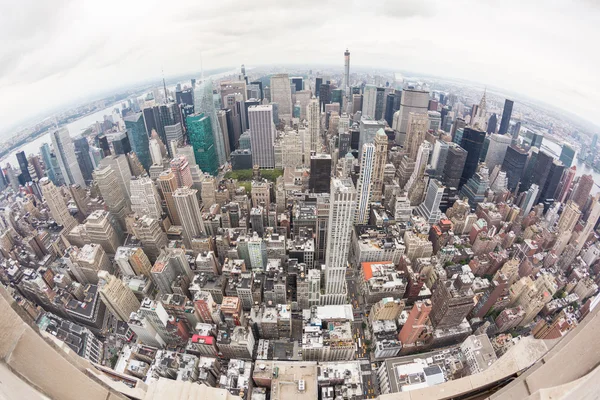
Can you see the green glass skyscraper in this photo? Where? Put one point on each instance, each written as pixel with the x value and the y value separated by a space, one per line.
pixel 202 140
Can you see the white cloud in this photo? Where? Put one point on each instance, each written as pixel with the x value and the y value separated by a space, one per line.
pixel 52 53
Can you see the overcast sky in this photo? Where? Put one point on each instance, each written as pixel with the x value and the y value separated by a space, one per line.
pixel 56 52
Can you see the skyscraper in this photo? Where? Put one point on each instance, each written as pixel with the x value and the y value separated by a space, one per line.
pixel 492 124
pixel 281 93
pixel 364 184
pixel 582 191
pixel 24 167
pixel 167 182
pixel 514 163
pixel 202 138
pixel 313 114
pixel 204 103
pixel 412 100
pixel 430 208
pixel 188 209
pixel 451 301
pixel 117 296
pixel 496 150
pixel 320 173
pixel 548 191
pixel 416 323
pixel 57 205
pixel 145 199
pixel 567 153
pixel 472 142
pixel 346 84
pixel 455 163
pixel 139 138
pixel 506 114
pixel 369 101
pixel 341 216
pixel 415 134
pixel 67 160
pixel 84 158
pixel 262 135
pixel 116 199
pixel 51 164
pixel 381 146
pixel 566 184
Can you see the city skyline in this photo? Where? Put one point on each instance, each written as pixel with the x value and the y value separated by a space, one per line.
pixel 89 65
pixel 306 232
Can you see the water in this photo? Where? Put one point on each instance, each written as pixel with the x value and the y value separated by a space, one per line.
pixel 582 169
pixel 75 129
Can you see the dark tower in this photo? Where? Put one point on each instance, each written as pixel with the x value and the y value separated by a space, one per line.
pixel 506 114
pixel 472 142
pixel 24 167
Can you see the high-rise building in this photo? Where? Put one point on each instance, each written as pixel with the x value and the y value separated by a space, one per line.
pixel 567 153
pixel 116 200
pixel 415 133
pixel 313 114
pixel 120 165
pixel 57 205
pixel 341 217
pixel 188 209
pixel 117 297
pixel 566 184
pixel 364 184
pixel 167 182
pixel 281 93
pixel 132 261
pixel 149 232
pixel 492 124
pixel 506 114
pixel 497 150
pixel 51 163
pixel 346 83
pixel 102 229
pixel 145 199
pixel 202 138
pixel 455 163
pixel 369 101
pixel 548 191
pixel 392 104
pixel 530 196
pixel 120 143
pixel 514 163
pixel 181 169
pixel 416 324
pixel 412 100
pixel 381 146
pixel 430 208
pixel 24 167
pixel 472 142
pixel 67 160
pixel 583 190
pixel 320 173
pixel 84 158
pixel 368 128
pixel 204 104
pixel 262 135
pixel 89 261
pixel 589 224
pixel 452 300
pixel 569 217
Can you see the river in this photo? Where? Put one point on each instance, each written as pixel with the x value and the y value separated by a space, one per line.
pixel 78 126
pixel 554 149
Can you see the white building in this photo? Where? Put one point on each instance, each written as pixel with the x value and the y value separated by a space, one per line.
pixel 262 135
pixel 364 184
pixel 341 216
